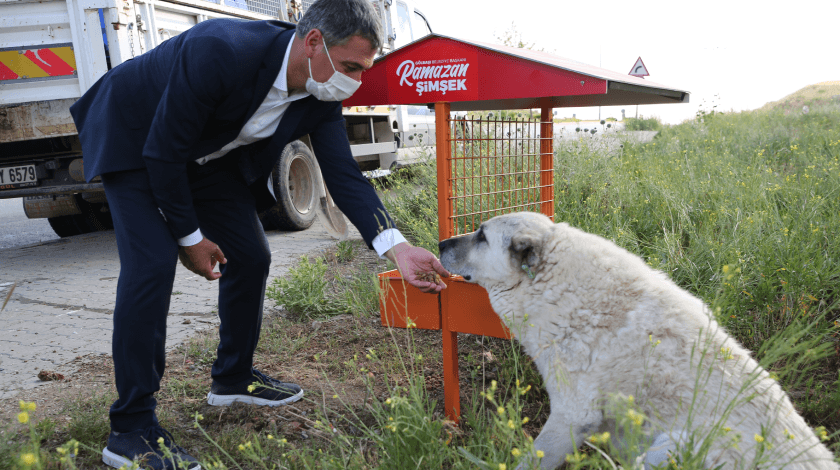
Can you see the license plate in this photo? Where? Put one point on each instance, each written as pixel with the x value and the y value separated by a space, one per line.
pixel 18 177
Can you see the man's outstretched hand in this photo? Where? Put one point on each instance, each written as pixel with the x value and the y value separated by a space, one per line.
pixel 201 258
pixel 419 267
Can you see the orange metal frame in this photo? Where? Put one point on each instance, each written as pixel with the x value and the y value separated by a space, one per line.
pixel 525 182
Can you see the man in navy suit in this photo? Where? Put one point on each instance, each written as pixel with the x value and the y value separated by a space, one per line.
pixel 184 138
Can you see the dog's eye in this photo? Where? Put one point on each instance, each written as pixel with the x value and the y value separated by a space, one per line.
pixel 479 236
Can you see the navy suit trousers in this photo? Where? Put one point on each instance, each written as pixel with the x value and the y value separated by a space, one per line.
pixel 148 255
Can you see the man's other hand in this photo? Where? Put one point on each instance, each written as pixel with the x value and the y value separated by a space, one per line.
pixel 201 258
pixel 419 267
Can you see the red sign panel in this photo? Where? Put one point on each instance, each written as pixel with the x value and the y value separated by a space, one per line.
pixel 433 75
pixel 444 69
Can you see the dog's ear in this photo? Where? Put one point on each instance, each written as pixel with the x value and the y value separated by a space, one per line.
pixel 526 248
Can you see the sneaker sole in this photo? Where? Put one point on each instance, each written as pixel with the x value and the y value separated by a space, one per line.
pixel 224 400
pixel 118 461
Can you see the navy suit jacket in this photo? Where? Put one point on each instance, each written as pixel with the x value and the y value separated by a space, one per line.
pixel 191 96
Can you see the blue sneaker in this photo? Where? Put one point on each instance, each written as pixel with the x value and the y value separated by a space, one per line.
pixel 143 445
pixel 261 390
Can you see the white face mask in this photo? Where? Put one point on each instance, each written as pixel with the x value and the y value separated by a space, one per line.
pixel 339 87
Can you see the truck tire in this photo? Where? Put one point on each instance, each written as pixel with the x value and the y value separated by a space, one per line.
pixel 295 179
pixel 92 219
pixel 64 225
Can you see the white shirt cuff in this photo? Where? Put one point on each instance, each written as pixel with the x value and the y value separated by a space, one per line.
pixel 386 240
pixel 191 239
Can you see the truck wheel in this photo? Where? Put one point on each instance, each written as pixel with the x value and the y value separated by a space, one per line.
pixel 295 181
pixel 92 219
pixel 64 225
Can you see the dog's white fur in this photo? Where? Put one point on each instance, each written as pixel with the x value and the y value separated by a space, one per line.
pixel 586 310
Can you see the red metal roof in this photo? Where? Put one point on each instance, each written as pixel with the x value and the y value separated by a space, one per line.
pixel 478 76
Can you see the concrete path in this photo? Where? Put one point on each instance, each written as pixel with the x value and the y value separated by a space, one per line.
pixel 63 304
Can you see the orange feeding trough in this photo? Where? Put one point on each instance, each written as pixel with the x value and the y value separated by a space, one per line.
pixel 489 166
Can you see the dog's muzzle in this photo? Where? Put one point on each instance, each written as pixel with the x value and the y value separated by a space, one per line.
pixel 448 257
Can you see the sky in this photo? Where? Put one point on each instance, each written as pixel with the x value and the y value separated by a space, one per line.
pixel 736 54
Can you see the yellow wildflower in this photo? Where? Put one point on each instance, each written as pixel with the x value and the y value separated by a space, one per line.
pixel 525 420
pixel 540 454
pixel 251 388
pixel 758 438
pixel 636 417
pixel 27 406
pixel 500 410
pixel 515 452
pixel 28 459
pixel 502 466
pixel 511 425
pixel 600 438
pixel 822 433
pixel 23 417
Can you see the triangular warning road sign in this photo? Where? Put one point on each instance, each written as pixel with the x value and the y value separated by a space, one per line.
pixel 639 69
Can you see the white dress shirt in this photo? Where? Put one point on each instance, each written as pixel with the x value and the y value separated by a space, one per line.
pixel 263 124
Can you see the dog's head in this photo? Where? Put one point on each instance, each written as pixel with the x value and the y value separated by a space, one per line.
pixel 503 251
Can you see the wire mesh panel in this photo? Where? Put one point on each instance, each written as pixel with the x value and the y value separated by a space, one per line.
pixel 497 166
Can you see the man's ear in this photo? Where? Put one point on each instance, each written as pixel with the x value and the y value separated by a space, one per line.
pixel 526 248
pixel 312 42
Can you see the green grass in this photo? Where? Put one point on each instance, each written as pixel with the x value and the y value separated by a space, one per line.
pixel 753 191
pixel 642 124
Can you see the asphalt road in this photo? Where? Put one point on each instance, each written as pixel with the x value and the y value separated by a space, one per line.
pixel 17 230
pixel 62 305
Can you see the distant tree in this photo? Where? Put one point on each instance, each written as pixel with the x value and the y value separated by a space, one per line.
pixel 513 38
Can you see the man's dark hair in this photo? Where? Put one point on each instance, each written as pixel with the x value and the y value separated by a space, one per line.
pixel 339 20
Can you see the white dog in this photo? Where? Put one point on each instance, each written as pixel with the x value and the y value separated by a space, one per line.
pixel 601 324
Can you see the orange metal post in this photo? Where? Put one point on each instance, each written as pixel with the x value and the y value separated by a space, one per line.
pixel 547 162
pixel 451 380
pixel 451 388
pixel 444 159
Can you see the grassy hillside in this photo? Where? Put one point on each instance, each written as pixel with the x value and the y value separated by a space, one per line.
pixel 818 93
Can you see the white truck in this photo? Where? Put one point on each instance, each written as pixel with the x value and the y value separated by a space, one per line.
pixel 52 51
